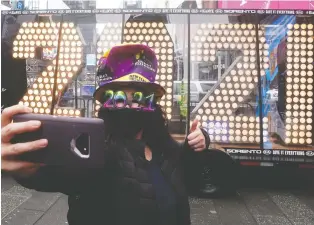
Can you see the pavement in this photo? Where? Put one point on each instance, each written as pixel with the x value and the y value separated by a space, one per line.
pixel 265 198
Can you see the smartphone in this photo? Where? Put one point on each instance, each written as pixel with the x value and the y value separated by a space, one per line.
pixel 72 141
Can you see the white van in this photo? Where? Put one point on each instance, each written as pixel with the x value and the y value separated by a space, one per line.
pixel 198 90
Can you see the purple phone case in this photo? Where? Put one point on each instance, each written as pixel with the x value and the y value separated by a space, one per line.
pixel 64 135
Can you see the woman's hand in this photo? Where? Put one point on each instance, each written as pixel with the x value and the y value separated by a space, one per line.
pixel 9 151
pixel 196 138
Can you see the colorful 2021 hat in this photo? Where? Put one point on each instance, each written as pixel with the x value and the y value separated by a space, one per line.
pixel 130 65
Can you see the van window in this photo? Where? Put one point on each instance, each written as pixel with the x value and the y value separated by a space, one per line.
pixel 206 87
pixel 177 86
pixel 193 87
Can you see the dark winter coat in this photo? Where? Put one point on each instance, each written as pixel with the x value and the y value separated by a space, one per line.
pixel 121 193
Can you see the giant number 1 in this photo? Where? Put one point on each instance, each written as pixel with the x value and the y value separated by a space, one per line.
pixel 219 108
pixel 299 84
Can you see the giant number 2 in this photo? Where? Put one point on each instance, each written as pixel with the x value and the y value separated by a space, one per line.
pixel 45 35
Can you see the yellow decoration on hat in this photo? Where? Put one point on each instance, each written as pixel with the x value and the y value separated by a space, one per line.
pixel 138 55
pixel 133 77
pixel 105 55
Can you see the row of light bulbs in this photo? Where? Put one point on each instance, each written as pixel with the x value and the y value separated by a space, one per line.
pixel 139 31
pixel 144 24
pixel 42 33
pixel 216 26
pixel 300 26
pixel 30 42
pixel 46 25
pixel 205 43
pixel 45 110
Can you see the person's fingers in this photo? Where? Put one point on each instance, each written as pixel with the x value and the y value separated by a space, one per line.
pixel 19 148
pixel 199 149
pixel 25 172
pixel 194 135
pixel 200 144
pixel 194 126
pixel 195 141
pixel 8 132
pixel 8 113
pixel 18 166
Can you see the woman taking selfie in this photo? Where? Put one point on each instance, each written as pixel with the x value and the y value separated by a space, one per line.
pixel 144 179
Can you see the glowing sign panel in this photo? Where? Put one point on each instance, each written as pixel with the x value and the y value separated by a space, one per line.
pixel 45 35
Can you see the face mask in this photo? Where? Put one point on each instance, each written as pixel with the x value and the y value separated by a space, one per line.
pixel 124 123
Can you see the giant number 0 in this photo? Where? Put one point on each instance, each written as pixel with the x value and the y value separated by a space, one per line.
pixel 110 36
pixel 157 37
pixel 45 35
